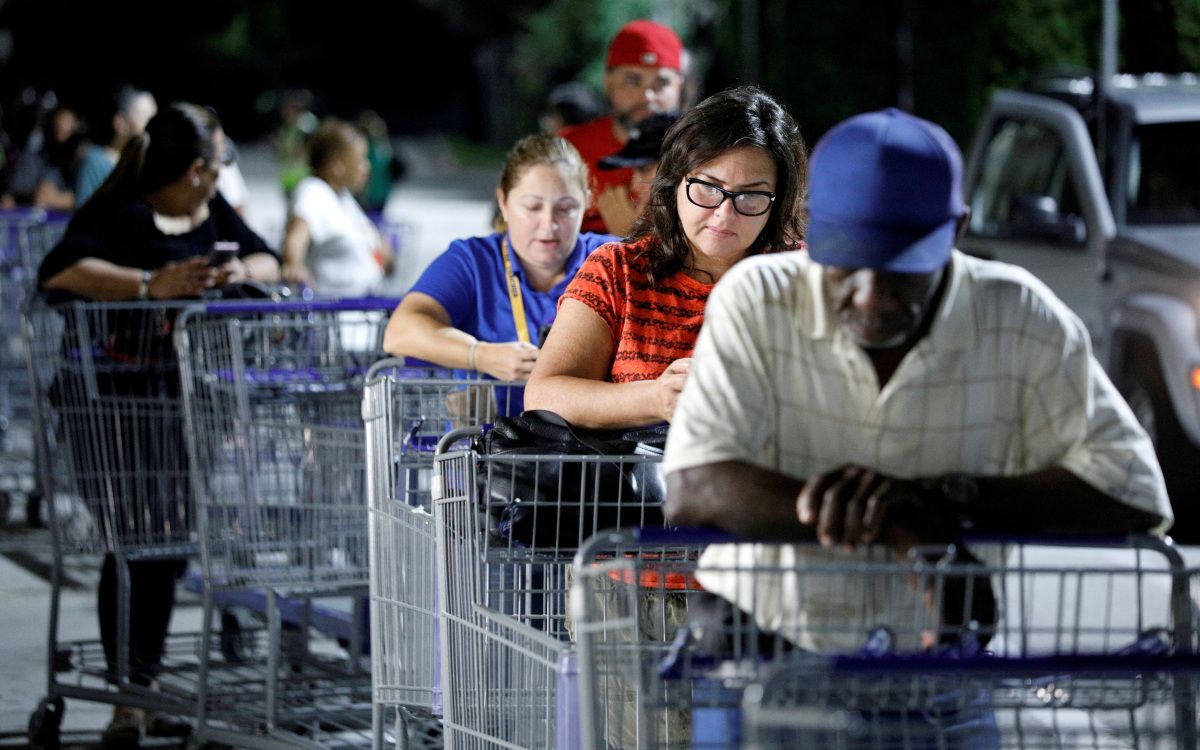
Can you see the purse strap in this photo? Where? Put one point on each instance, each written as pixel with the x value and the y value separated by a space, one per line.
pixel 586 438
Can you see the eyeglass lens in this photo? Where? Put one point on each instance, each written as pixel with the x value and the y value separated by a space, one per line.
pixel 707 195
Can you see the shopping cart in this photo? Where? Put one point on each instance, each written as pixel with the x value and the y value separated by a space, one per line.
pixel 109 429
pixel 272 396
pixel 506 652
pixel 26 235
pixel 407 408
pixel 1084 644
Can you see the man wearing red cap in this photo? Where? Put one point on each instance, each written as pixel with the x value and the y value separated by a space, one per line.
pixel 644 75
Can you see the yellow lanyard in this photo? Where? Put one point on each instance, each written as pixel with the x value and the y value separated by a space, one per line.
pixel 514 295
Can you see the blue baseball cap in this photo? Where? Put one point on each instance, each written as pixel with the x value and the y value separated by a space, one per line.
pixel 885 192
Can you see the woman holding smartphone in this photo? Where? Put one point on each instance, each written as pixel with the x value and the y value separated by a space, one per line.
pixel 155 229
pixel 149 231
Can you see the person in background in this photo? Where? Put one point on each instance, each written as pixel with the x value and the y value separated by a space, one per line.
pixel 329 242
pixel 386 165
pixel 297 123
pixel 231 184
pixel 147 234
pixel 644 74
pixel 729 186
pixel 569 104
pixel 463 313
pixel 43 173
pixel 125 115
pixel 621 206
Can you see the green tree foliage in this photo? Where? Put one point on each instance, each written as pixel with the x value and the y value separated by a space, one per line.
pixel 1187 23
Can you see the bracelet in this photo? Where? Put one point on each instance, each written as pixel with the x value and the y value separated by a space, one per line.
pixel 143 291
pixel 471 354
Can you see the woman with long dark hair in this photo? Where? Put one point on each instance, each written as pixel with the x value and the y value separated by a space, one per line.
pixel 730 185
pixel 148 233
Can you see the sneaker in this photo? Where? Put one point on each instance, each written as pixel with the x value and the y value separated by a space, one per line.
pixel 124 732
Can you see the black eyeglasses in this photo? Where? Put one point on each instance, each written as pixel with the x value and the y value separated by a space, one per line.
pixel 747 202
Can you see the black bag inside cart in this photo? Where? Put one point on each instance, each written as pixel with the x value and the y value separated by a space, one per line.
pixel 574 482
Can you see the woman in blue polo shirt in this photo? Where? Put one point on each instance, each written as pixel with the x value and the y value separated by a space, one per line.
pixel 485 303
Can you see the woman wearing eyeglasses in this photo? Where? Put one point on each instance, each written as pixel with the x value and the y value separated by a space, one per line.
pixel 730 184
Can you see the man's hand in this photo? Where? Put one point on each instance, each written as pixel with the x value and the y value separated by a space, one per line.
pixel 509 361
pixel 617 210
pixel 852 505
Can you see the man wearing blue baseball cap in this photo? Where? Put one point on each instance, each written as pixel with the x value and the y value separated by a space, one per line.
pixel 883 387
pixel 883 369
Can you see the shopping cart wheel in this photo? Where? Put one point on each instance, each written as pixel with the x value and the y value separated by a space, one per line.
pixel 237 636
pixel 45 722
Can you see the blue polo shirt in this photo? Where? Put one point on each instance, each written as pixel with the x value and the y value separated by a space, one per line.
pixel 468 280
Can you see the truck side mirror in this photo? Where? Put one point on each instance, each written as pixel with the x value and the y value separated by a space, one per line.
pixel 1037 217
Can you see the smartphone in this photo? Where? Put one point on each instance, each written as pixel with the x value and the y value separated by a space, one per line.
pixel 222 253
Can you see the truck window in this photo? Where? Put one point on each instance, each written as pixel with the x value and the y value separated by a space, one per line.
pixel 1025 190
pixel 1162 187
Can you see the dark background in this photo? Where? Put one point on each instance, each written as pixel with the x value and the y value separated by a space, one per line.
pixel 479 69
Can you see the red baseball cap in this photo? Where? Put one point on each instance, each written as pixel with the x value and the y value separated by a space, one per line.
pixel 644 42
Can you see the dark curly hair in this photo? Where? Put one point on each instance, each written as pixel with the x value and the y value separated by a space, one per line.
pixel 331 138
pixel 734 118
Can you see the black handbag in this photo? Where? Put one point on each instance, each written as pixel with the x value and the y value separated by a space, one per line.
pixel 546 483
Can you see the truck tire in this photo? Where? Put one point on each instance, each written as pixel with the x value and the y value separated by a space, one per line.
pixel 1146 392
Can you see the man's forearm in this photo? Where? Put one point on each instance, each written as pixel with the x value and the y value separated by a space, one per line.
pixel 1052 501
pixel 737 497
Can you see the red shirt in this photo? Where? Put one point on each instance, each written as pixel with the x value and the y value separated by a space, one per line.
pixel 595 140
pixel 652 325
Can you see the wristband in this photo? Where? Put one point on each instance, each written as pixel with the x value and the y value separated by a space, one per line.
pixel 144 285
pixel 471 354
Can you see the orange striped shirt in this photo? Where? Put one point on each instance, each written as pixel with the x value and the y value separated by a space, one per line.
pixel 652 325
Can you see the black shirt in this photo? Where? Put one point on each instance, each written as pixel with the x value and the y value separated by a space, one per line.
pixel 127 236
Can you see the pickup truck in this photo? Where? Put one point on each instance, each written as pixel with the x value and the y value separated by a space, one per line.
pixel 1098 194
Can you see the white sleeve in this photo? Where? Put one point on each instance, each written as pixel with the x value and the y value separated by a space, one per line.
pixel 1074 410
pixel 313 204
pixel 728 408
